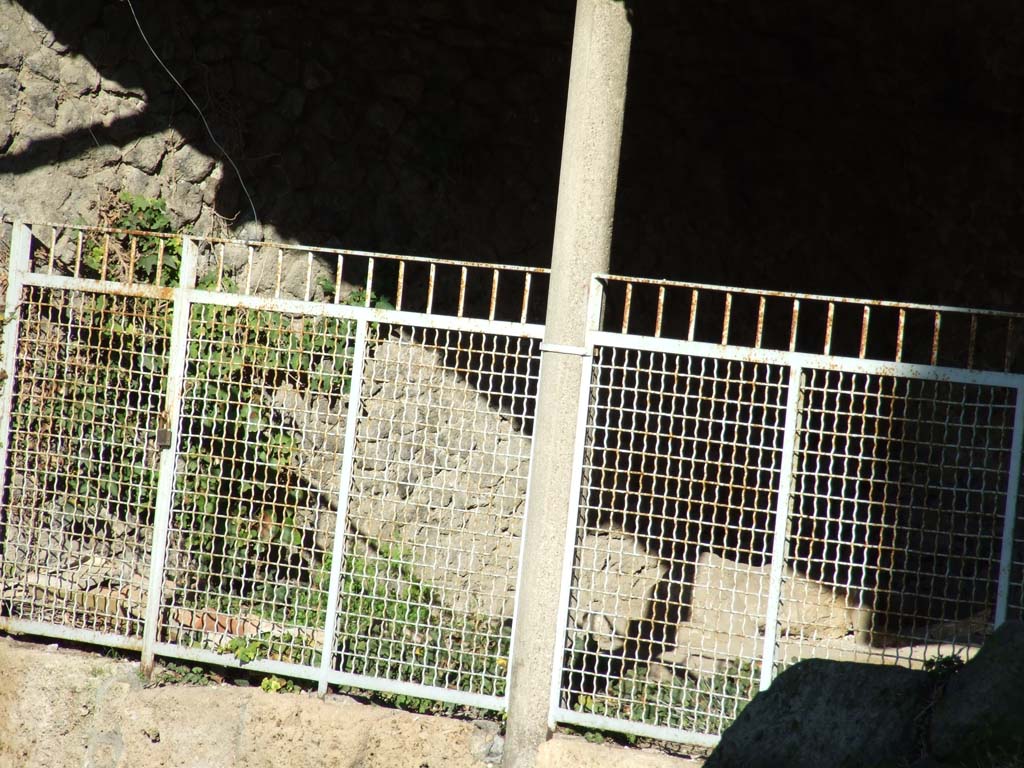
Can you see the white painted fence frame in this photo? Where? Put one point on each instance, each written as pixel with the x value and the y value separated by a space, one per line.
pixel 797 364
pixel 184 298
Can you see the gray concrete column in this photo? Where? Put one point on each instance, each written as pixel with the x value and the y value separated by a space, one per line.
pixel 582 245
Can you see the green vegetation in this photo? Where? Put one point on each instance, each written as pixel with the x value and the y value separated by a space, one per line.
pixel 393 626
pixel 180 674
pixel 273 684
pixel 943 667
pixel 137 213
pixel 249 577
pixel 707 705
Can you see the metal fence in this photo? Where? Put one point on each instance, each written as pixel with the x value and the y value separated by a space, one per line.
pixel 314 462
pixel 235 452
pixel 773 477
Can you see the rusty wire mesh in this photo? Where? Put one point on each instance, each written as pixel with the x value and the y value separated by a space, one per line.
pixel 771 477
pixel 439 486
pixel 306 392
pixel 82 473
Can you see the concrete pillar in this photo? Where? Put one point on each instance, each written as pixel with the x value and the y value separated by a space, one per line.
pixel 582 245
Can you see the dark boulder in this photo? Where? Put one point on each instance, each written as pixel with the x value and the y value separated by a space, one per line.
pixel 829 714
pixel 979 720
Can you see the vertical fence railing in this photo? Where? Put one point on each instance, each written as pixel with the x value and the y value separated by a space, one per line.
pixel 167 442
pixel 21 243
pixel 1011 512
pixel 780 536
pixel 338 551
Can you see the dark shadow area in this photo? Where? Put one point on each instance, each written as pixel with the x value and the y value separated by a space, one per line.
pixel 899 494
pixel 412 128
pixel 865 151
pixel 73 143
pixel 859 151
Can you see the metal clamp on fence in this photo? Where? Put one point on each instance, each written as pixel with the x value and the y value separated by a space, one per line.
pixel 567 349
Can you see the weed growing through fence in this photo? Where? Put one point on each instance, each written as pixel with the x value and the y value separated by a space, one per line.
pixel 244 517
pixel 708 705
pixel 393 626
pixel 153 253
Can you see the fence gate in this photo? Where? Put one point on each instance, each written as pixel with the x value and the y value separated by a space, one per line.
pixel 771 477
pixel 309 462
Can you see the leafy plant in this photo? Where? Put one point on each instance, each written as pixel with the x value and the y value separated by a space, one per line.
pixel 244 649
pixel 942 668
pixel 153 254
pixel 274 684
pixel 180 674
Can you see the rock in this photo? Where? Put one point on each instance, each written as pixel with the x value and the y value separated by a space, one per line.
pixel 10 57
pixel 617 578
pixel 136 182
pixel 184 201
pixel 8 106
pixel 114 88
pixel 45 63
pixel 190 164
pixel 39 98
pixel 146 153
pixel 981 712
pixel 819 714
pixel 728 611
pixel 733 597
pixel 78 75
pixel 73 114
pixel 88 163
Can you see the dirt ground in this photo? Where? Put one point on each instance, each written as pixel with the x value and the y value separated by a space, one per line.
pixel 63 707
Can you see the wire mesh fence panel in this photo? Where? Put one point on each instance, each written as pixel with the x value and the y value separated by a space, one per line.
pixel 769 477
pixel 899 503
pixel 669 595
pixel 765 477
pixel 256 449
pixel 258 468
pixel 82 459
pixel 431 547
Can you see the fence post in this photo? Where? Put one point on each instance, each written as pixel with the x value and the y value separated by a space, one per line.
pixel 783 511
pixel 19 266
pixel 340 521
pixel 582 246
pixel 1011 512
pixel 165 484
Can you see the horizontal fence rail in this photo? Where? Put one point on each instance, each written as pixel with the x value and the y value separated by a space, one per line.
pixel 746 506
pixel 313 462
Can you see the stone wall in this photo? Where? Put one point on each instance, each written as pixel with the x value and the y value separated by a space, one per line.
pixel 425 128
pixel 835 149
